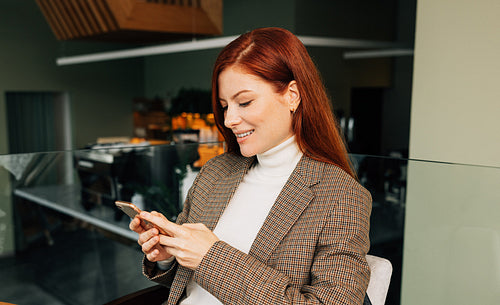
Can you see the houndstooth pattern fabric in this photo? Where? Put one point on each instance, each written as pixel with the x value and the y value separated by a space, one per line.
pixel 310 250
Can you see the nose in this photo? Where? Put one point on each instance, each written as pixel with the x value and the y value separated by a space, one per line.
pixel 231 117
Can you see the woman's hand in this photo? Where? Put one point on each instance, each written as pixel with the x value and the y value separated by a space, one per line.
pixel 149 239
pixel 188 242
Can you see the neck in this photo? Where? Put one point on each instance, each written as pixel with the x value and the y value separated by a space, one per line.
pixel 281 159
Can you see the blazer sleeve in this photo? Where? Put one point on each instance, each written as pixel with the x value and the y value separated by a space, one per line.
pixel 339 273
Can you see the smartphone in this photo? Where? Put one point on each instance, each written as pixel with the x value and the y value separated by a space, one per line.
pixel 128 208
pixel 132 210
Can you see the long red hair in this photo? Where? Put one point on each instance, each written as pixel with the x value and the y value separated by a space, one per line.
pixel 278 56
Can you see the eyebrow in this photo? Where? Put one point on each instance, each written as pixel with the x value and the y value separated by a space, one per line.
pixel 236 95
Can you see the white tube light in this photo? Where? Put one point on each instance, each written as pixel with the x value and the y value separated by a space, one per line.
pixel 312 41
pixel 148 51
pixel 378 53
pixel 212 43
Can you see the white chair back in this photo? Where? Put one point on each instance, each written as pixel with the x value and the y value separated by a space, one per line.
pixel 380 278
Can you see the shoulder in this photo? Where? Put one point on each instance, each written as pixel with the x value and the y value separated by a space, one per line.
pixel 224 165
pixel 227 162
pixel 331 178
pixel 341 194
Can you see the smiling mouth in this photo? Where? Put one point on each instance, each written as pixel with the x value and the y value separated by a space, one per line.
pixel 244 134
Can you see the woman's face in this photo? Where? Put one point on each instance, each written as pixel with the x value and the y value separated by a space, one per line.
pixel 259 117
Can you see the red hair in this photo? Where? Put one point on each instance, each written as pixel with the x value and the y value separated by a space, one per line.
pixel 278 57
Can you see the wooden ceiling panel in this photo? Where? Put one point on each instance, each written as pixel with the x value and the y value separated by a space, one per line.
pixel 130 21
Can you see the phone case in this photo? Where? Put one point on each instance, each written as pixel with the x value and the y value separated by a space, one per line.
pixel 128 208
pixel 131 210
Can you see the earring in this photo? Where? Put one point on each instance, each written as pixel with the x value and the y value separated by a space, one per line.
pixel 292 110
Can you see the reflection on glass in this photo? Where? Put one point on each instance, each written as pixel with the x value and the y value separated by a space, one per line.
pixel 73 246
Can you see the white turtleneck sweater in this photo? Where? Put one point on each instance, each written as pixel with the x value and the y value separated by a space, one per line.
pixel 246 212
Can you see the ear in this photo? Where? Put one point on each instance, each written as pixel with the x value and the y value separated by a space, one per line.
pixel 293 96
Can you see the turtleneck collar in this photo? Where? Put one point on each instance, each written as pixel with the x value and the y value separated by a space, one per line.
pixel 279 160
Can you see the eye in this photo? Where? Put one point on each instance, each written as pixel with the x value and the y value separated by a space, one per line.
pixel 223 106
pixel 245 104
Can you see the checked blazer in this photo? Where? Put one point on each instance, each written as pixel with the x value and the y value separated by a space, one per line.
pixel 310 250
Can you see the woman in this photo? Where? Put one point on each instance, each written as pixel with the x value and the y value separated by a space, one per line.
pixel 279 218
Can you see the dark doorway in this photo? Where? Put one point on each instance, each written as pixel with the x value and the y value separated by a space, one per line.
pixel 38 121
pixel 364 136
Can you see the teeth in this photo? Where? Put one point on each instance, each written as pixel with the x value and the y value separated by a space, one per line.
pixel 241 135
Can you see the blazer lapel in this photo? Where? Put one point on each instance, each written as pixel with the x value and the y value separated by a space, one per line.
pixel 223 192
pixel 291 202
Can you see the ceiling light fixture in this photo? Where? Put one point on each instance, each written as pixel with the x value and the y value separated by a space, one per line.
pixel 211 43
pixel 378 53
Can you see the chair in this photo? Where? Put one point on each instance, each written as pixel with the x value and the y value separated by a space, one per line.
pixel 381 271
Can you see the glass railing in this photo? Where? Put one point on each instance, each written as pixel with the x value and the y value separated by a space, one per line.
pixel 62 240
pixel 452 234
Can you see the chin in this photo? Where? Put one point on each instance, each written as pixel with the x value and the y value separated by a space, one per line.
pixel 246 152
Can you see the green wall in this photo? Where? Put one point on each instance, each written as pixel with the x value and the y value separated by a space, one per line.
pixel 100 93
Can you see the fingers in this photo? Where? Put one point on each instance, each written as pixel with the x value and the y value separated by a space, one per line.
pixel 189 242
pixel 149 242
pixel 148 245
pixel 155 251
pixel 167 241
pixel 147 235
pixel 135 225
pixel 162 223
pixel 149 229
pixel 153 255
pixel 189 248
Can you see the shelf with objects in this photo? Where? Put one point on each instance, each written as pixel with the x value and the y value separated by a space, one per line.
pixel 183 119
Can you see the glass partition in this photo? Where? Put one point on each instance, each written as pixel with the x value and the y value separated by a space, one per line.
pixel 452 234
pixel 62 240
